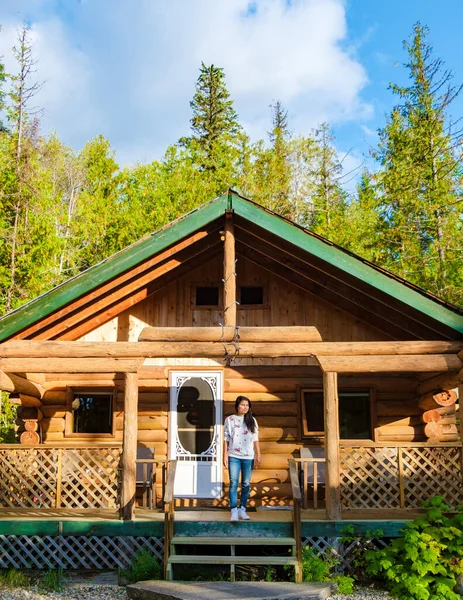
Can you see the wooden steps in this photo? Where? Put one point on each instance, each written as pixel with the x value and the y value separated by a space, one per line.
pixel 233 558
pixel 204 559
pixel 234 541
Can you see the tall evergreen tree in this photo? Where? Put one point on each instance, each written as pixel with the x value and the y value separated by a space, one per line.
pixel 2 92
pixel 217 136
pixel 269 179
pixel 214 121
pixel 329 199
pixel 26 251
pixel 421 176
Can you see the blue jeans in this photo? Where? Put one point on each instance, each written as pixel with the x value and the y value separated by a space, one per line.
pixel 235 465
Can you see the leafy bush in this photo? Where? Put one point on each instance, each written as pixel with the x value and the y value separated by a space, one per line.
pixel 144 566
pixel 425 563
pixel 357 545
pixel 7 419
pixel 316 567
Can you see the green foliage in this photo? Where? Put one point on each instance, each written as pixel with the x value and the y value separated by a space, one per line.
pixel 314 566
pixel 52 581
pixel 427 560
pixel 144 566
pixel 319 568
pixel 14 578
pixel 270 574
pixel 358 546
pixel 344 583
pixel 7 419
pixel 62 212
pixel 420 181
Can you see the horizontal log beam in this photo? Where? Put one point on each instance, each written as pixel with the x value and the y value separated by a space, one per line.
pixel 398 364
pixel 15 383
pixel 229 334
pixel 70 365
pixel 201 349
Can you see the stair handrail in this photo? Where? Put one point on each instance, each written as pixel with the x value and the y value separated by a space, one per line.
pixel 297 519
pixel 169 511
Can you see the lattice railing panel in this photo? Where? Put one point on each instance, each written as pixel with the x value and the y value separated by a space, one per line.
pixel 28 477
pixel 90 477
pixel 429 472
pixel 47 477
pixel 74 552
pixel 369 477
pixel 344 553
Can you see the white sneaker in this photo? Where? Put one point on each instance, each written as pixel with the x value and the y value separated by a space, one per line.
pixel 234 514
pixel 243 515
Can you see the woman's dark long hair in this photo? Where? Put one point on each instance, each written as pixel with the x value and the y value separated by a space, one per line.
pixel 248 418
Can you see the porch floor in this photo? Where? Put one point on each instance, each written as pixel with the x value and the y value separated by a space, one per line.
pixel 204 515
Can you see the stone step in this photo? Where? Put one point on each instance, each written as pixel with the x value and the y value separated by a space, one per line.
pixel 234 541
pixel 231 560
pixel 224 590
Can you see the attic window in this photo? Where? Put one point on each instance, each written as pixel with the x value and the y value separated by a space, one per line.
pixel 207 295
pixel 251 295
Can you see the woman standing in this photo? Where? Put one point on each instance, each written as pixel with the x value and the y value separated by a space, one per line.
pixel 241 453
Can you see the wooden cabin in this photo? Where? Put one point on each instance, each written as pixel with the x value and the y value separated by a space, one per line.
pixel 135 362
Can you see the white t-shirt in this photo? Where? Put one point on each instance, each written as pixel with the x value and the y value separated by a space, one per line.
pixel 240 439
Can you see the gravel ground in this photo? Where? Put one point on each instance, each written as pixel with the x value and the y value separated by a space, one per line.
pixel 113 592
pixel 74 592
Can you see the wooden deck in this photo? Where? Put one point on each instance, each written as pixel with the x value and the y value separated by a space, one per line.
pixel 219 515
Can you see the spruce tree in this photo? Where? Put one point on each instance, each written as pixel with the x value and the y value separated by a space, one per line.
pixel 420 155
pixel 328 199
pixel 214 122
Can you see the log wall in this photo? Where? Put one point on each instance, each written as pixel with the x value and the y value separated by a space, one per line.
pixel 274 392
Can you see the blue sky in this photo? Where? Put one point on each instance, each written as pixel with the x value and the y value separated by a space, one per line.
pixel 127 69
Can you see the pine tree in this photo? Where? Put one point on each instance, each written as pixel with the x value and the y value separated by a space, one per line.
pixel 217 136
pixel 269 176
pixel 329 199
pixel 214 121
pixel 362 224
pixel 2 92
pixel 421 176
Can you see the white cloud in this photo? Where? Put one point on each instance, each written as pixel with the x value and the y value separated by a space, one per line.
pixel 128 70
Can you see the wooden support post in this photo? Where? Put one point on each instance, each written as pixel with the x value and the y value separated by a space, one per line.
pixel 229 295
pixel 129 452
pixel 332 464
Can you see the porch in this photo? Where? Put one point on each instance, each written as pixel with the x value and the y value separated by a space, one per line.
pixel 62 507
pixel 374 478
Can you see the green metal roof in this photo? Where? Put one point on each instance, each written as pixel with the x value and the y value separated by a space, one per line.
pixel 128 258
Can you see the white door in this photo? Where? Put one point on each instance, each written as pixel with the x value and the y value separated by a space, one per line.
pixel 196 432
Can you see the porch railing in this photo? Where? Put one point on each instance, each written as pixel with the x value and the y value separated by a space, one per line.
pixel 45 476
pixel 169 511
pixel 297 518
pixel 388 476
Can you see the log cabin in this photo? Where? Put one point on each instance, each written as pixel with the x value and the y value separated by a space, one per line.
pixel 124 374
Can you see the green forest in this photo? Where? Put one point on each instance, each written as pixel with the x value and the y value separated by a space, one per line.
pixel 62 211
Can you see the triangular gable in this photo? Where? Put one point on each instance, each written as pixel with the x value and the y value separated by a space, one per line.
pixel 102 273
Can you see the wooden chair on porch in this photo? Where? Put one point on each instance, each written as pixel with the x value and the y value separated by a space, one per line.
pixel 146 476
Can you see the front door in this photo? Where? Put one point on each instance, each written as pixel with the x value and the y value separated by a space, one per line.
pixel 196 432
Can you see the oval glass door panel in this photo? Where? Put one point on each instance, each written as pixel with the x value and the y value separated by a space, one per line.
pixel 195 415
